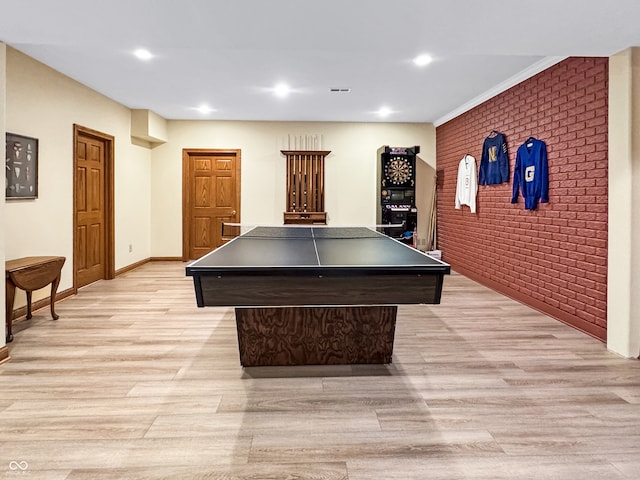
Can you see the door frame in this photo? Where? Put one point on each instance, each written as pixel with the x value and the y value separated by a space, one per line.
pixel 108 189
pixel 187 187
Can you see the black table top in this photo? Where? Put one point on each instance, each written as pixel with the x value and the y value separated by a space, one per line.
pixel 314 248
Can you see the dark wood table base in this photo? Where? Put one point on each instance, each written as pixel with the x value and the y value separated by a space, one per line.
pixel 316 335
pixel 29 274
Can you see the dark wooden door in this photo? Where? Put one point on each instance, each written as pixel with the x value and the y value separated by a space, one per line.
pixel 92 207
pixel 211 196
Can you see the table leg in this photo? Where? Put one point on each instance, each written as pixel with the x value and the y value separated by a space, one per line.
pixel 329 335
pixel 10 291
pixel 54 289
pixel 29 315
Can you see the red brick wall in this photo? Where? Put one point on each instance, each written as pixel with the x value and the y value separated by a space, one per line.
pixel 553 258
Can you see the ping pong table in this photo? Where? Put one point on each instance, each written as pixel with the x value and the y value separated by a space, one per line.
pixel 315 295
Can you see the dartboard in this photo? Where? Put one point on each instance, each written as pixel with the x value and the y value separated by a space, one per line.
pixel 398 170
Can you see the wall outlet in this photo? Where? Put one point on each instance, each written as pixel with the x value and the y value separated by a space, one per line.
pixel 130 247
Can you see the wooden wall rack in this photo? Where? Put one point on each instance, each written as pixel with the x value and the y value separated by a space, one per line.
pixel 305 187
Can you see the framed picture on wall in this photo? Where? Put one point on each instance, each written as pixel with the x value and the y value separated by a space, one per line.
pixel 21 167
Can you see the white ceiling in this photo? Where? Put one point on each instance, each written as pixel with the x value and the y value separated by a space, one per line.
pixel 230 54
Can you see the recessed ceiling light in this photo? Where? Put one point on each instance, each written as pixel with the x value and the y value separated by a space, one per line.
pixel 143 54
pixel 204 109
pixel 422 60
pixel 384 112
pixel 281 90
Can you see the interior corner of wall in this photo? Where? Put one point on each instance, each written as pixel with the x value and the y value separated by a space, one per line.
pixel 3 88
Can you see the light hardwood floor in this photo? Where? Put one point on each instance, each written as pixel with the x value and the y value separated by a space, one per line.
pixel 134 382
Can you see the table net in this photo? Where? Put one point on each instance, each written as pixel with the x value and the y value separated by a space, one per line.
pixel 299 231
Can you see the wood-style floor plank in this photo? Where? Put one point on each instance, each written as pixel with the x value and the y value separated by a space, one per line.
pixel 135 382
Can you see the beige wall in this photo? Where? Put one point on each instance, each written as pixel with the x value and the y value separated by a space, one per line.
pixel 623 302
pixel 350 169
pixel 45 104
